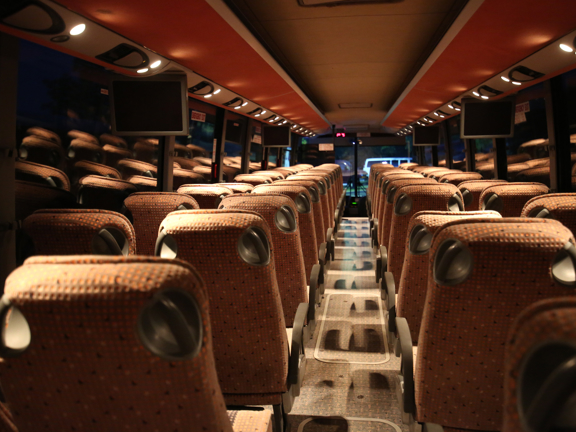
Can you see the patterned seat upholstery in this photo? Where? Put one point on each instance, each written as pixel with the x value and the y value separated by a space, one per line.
pixel 252 179
pixel 113 140
pixel 375 170
pixel 144 184
pixel 274 175
pixel 97 192
pixel 457 178
pixel 539 174
pixel 83 136
pixel 303 203
pixel 188 164
pixel 147 210
pixel 84 168
pixel 128 378
pixel 83 150
pixel 131 167
pixel 316 205
pixel 184 176
pixel 439 172
pixel 232 251
pixel 408 165
pixel 35 196
pixel 182 151
pixel 43 174
pixel 44 134
pixel 113 155
pixel 461 349
pixel 238 187
pixel 207 196
pixel 414 280
pixel 326 196
pixel 558 206
pixel 197 150
pixel 42 151
pixel 330 192
pixel 282 217
pixel 408 201
pixel 509 199
pixel 79 231
pixel 472 189
pixel 286 171
pixel 540 347
pixel 204 171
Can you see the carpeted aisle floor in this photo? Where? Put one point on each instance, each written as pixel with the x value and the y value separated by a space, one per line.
pixel 350 377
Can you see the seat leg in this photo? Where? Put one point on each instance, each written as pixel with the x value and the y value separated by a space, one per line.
pixel 279 415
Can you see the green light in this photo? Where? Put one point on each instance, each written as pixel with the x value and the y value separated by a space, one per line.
pixel 353 202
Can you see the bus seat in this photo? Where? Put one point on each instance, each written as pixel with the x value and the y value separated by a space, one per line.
pixel 188 164
pixel 375 170
pixel 539 175
pixel 97 192
pixel 206 172
pixel 83 150
pixel 83 136
pixel 472 189
pixel 252 179
pixel 508 199
pixel 43 174
pixel 143 184
pixel 413 286
pixel 35 196
pixel 238 187
pixel 197 150
pixel 41 151
pixel 45 134
pixel 207 196
pixel 274 175
pixel 457 178
pixel 484 273
pixel 146 151
pixel 183 176
pixel 441 172
pixel 147 210
pixel 231 249
pixel 142 314
pixel 407 165
pixel 286 171
pixel 557 206
pixel 330 195
pixel 80 231
pixel 540 361
pixel 408 201
pixel 112 155
pixel 131 167
pixel 282 217
pixel 84 168
pixel 303 203
pixel 113 140
pixel 182 151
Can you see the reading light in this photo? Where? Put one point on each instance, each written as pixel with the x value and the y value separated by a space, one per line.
pixel 285 121
pixel 245 103
pixel 450 106
pixel 566 48
pixel 142 70
pixel 295 126
pixel 238 107
pixel 209 95
pixel 516 83
pixel 270 121
pixel 475 93
pixel 484 97
pixel 457 109
pixel 276 118
pixel 505 78
pixel 257 111
pixel 217 91
pixel 79 29
pixel 257 115
pixel 436 113
pixel 263 112
pixel 155 64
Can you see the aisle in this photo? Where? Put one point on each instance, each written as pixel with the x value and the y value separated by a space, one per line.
pixel 351 369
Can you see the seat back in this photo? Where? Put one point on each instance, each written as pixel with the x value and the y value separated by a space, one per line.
pixel 144 184
pixel 457 178
pixel 97 192
pixel 207 196
pixel 238 187
pixel 539 375
pixel 183 176
pixel 408 165
pixel 281 215
pixel 147 210
pixel 84 168
pixel 483 273
pixel 113 343
pixel 43 174
pixel 274 175
pixel 253 179
pixel 414 279
pixel 509 199
pixel 539 174
pixel 303 203
pixel 558 206
pixel 80 231
pixel 312 188
pixel 232 250
pixel 83 150
pixel 131 167
pixel 83 136
pixel 330 192
pixel 44 134
pixel 113 140
pixel 113 155
pixel 386 211
pixel 325 197
pixel 408 201
pixel 379 197
pixel 42 151
pixel 472 189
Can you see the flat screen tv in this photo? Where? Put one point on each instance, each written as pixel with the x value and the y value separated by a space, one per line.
pixel 487 119
pixel 426 136
pixel 276 136
pixel 151 106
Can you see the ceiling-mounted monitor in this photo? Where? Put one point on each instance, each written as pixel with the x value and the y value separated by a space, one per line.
pixel 151 106
pixel 276 136
pixel 487 119
pixel 426 136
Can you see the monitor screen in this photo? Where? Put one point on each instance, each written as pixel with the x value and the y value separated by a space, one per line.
pixel 487 119
pixel 152 106
pixel 426 136
pixel 276 136
pixel 234 131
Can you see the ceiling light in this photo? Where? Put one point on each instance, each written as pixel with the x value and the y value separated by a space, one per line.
pixel 208 96
pixel 79 29
pixel 516 83
pixel 245 103
pixel 475 93
pixel 276 118
pixel 237 107
pixel 505 78
pixel 436 113
pixel 257 115
pixel 155 64
pixel 270 121
pixel 457 109
pixel 142 70
pixel 285 121
pixel 484 97
pixel 263 112
pixel 450 106
pixel 217 91
pixel 295 126
pixel 566 48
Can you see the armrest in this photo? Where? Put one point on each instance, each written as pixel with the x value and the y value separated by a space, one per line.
pixel 389 286
pixel 374 232
pixel 323 256
pixel 384 258
pixel 330 243
pixel 315 288
pixel 407 366
pixel 297 360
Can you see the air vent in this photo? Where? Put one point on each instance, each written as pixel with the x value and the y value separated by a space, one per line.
pixel 329 3
pixel 31 16
pixel 125 55
pixel 355 105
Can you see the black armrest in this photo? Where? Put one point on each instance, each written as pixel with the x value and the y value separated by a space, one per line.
pixel 374 232
pixel 315 288
pixel 407 366
pixel 389 286
pixel 323 256
pixel 330 243
pixel 297 361
pixel 384 258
